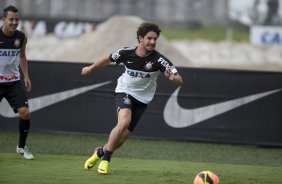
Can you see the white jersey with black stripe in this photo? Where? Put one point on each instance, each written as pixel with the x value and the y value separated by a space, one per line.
pixel 140 76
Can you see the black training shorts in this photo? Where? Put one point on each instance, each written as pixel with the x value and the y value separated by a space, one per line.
pixel 14 93
pixel 124 100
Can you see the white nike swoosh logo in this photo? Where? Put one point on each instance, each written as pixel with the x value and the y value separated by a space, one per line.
pixel 38 103
pixel 178 117
pixel 1 42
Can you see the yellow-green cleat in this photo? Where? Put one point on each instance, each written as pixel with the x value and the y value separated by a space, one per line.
pixel 91 161
pixel 103 167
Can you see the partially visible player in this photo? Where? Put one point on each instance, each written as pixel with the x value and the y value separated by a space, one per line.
pixel 135 88
pixel 12 54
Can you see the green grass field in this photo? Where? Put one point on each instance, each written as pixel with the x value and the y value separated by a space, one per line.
pixel 213 34
pixel 59 158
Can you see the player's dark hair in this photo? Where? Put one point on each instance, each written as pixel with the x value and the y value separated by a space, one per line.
pixel 9 8
pixel 146 27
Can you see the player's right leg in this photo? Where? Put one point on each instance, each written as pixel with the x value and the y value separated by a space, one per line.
pixel 103 167
pixel 117 137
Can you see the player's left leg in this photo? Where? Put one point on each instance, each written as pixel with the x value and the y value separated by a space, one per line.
pixel 24 126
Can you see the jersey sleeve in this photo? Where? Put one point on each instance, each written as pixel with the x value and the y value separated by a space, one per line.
pixel 166 64
pixel 21 36
pixel 119 54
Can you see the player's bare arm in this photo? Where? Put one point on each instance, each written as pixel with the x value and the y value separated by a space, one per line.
pixel 175 78
pixel 103 61
pixel 24 66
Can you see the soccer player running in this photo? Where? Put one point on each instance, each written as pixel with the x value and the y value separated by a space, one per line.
pixel 12 54
pixel 135 88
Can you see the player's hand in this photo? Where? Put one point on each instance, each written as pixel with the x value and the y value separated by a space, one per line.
pixel 27 84
pixel 169 74
pixel 174 78
pixel 86 70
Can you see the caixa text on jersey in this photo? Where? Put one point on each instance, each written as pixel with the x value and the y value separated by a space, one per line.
pixel 138 74
pixel 9 53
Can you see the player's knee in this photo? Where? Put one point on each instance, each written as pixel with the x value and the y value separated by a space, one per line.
pixel 24 113
pixel 121 127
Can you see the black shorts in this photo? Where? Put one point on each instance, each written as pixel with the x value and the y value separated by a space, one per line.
pixel 14 93
pixel 124 100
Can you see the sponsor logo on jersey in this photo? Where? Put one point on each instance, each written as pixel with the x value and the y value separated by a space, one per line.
pixel 138 74
pixel 9 53
pixel 8 77
pixel 163 62
pixel 115 55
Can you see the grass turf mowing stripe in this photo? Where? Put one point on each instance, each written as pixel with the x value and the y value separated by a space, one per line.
pixel 55 143
pixel 68 169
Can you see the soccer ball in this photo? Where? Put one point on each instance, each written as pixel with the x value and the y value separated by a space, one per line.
pixel 206 177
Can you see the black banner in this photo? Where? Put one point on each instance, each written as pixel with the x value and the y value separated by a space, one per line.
pixel 62 28
pixel 214 105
